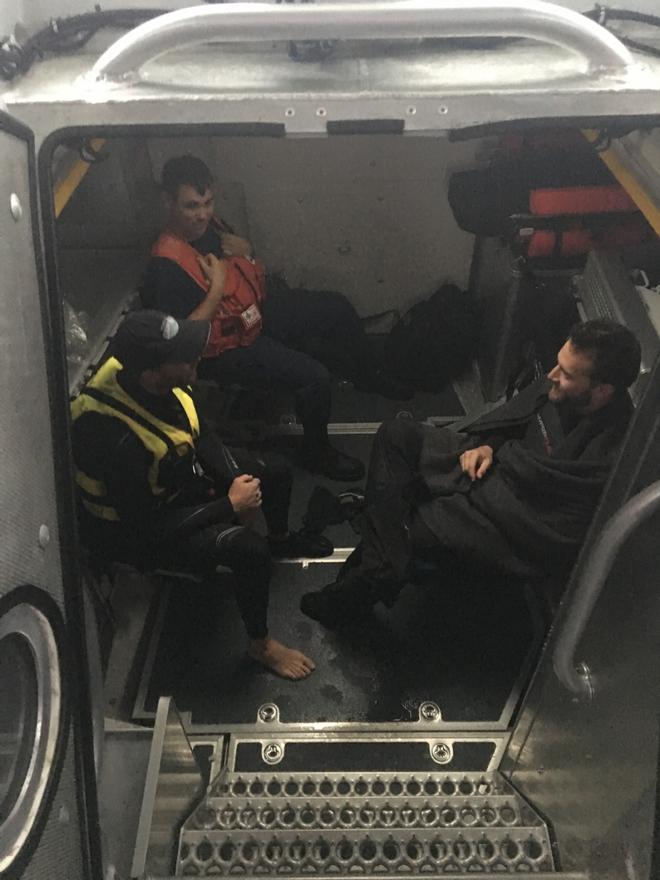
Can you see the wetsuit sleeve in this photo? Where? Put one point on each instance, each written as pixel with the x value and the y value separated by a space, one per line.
pixel 142 513
pixel 168 288
pixel 216 460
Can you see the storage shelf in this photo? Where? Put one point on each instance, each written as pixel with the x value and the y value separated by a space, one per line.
pixel 102 285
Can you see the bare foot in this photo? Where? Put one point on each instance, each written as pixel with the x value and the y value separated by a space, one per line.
pixel 281 660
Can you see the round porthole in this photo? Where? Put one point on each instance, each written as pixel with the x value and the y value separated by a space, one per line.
pixel 30 712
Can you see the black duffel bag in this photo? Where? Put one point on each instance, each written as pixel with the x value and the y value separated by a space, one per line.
pixel 434 341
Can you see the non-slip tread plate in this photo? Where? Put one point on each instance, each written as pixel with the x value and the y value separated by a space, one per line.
pixel 315 824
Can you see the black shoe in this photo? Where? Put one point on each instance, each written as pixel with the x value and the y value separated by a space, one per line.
pixel 351 503
pixel 301 544
pixel 328 608
pixel 323 509
pixel 332 463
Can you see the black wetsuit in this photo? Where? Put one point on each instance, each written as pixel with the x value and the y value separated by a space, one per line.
pixel 150 534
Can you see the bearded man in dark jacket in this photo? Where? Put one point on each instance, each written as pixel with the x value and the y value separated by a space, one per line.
pixel 514 492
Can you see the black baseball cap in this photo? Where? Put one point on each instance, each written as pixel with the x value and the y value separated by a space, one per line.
pixel 146 339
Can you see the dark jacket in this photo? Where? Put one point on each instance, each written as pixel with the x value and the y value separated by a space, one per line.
pixel 529 514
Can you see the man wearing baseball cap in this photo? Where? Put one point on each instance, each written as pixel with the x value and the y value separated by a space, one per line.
pixel 157 487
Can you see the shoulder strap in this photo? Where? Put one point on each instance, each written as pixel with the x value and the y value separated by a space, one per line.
pixel 221 225
pixel 121 407
pixel 183 254
pixel 257 294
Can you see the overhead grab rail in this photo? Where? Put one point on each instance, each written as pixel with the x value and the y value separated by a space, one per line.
pixel 382 20
pixel 576 677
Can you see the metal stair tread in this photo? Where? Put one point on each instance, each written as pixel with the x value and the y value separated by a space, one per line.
pixel 244 814
pixel 240 829
pixel 463 783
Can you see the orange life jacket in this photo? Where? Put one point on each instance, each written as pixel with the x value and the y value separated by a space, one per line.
pixel 237 321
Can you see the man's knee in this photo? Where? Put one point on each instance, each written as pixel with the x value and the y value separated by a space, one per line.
pixel 302 370
pixel 273 466
pixel 398 432
pixel 316 374
pixel 274 471
pixel 243 550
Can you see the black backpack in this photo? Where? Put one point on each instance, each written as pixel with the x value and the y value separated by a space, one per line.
pixel 434 341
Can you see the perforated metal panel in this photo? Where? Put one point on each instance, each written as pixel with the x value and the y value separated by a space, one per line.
pixel 344 824
pixel 29 544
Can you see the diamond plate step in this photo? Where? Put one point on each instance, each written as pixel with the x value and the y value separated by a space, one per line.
pixel 340 825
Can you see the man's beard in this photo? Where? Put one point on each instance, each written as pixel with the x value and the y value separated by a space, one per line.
pixel 577 402
pixel 580 402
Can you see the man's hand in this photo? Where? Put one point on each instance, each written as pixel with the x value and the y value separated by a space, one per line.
pixel 245 494
pixel 215 271
pixel 235 246
pixel 475 462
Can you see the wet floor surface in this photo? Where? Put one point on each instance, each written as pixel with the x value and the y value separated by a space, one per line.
pixel 454 640
pixel 458 639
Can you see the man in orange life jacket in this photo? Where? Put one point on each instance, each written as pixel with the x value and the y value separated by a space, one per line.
pixel 202 271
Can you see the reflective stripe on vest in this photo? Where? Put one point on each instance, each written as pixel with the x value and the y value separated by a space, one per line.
pixel 104 395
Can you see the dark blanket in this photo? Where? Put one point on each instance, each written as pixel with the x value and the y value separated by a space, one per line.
pixel 530 513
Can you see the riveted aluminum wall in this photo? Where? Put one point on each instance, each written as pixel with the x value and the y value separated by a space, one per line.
pixel 363 214
pixel 29 545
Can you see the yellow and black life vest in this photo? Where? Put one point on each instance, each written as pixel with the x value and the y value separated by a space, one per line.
pixel 103 394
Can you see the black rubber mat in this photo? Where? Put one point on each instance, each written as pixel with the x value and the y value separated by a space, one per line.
pixel 346 757
pixel 456 641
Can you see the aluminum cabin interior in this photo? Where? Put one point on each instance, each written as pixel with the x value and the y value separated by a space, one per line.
pixel 480 725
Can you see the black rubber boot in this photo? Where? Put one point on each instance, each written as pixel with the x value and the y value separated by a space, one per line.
pixel 301 544
pixel 344 603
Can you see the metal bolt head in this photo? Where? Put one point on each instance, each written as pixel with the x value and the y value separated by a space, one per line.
pixel 427 711
pixel 15 207
pixel 441 753
pixel 267 712
pixel 272 753
pixel 44 536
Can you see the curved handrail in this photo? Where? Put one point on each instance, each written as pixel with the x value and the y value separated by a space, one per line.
pixel 617 530
pixel 379 20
